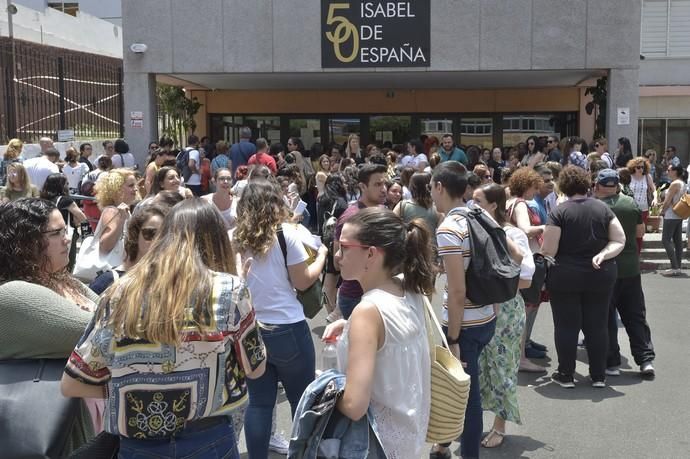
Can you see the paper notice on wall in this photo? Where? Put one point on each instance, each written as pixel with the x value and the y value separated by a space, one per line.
pixel 387 136
pixel 136 123
pixel 273 135
pixel 623 116
pixel 136 115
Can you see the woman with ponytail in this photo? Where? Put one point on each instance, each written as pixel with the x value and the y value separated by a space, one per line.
pixel 383 348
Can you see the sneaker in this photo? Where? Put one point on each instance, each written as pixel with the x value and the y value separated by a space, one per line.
pixel 563 380
pixel 671 273
pixel 613 371
pixel 647 369
pixel 334 315
pixel 537 346
pixel 278 444
pixel 598 384
pixel 533 353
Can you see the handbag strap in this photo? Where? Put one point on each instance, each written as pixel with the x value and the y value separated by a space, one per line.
pixel 432 319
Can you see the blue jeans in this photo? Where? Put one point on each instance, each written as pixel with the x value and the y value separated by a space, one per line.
pixel 291 360
pixel 472 342
pixel 347 304
pixel 213 442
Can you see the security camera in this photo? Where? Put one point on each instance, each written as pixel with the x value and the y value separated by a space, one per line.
pixel 138 48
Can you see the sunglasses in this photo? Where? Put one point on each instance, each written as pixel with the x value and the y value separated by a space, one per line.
pixel 346 245
pixel 149 233
pixel 549 141
pixel 669 151
pixel 596 145
pixel 639 168
pixel 487 177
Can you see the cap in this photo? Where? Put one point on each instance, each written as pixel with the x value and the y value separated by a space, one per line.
pixel 607 177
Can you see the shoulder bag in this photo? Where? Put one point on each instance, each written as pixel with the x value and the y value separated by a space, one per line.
pixel 682 207
pixel 90 262
pixel 450 386
pixel 36 421
pixel 311 298
pixel 68 223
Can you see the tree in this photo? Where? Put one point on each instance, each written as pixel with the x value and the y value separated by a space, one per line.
pixel 177 112
pixel 598 103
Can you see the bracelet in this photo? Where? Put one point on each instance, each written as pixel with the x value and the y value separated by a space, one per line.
pixel 452 341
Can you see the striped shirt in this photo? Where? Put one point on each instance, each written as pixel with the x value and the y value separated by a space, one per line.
pixel 453 238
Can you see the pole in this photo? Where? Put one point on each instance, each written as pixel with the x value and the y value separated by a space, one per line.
pixel 12 124
pixel 61 92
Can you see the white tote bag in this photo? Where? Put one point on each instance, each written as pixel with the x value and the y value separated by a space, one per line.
pixel 90 262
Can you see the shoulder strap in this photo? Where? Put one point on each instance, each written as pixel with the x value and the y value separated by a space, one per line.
pixel 335 203
pixel 283 243
pixel 116 275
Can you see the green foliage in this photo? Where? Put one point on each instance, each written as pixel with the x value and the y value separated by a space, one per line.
pixel 598 103
pixel 177 112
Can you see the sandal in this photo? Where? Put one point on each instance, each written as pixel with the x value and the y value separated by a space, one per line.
pixel 493 434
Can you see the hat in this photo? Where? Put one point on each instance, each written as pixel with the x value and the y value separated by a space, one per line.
pixel 607 177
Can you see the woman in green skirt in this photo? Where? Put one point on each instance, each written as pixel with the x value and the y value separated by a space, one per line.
pixel 500 360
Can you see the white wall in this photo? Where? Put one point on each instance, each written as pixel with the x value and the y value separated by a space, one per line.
pixel 84 33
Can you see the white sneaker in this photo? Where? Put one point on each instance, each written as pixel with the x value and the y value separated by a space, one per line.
pixel 647 369
pixel 613 371
pixel 334 315
pixel 278 444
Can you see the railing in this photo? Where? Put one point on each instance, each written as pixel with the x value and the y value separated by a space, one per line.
pixel 44 89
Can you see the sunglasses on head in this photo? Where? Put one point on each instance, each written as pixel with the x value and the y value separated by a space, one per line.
pixel 597 145
pixel 149 233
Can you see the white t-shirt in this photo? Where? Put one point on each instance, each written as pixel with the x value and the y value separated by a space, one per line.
pixel 420 158
pixel 273 296
pixel 195 179
pixel 519 237
pixel 407 160
pixel 39 169
pixel 75 174
pixel 128 158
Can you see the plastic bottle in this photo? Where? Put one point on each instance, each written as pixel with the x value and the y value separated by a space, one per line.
pixel 329 356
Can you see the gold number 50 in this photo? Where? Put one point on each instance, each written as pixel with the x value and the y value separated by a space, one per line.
pixel 342 32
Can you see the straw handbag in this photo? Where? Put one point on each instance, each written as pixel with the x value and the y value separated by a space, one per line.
pixel 450 386
pixel 682 207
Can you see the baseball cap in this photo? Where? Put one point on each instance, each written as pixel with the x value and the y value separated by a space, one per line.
pixel 607 177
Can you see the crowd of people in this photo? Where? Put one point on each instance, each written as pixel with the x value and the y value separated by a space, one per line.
pixel 202 310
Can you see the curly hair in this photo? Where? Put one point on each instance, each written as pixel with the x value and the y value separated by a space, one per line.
pixel 14 149
pixel 109 186
pixel 23 246
pixel 638 161
pixel 523 179
pixel 259 213
pixel 574 180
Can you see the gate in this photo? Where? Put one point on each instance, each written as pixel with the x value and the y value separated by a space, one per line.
pixel 50 89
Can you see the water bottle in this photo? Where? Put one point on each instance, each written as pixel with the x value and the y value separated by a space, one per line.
pixel 329 356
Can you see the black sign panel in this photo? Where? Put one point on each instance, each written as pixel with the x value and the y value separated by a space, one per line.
pixel 360 33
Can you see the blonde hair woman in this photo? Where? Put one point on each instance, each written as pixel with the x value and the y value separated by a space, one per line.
pixel 116 191
pixel 12 155
pixel 171 343
pixel 353 149
pixel 18 184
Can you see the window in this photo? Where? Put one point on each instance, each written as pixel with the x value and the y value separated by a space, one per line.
pixel 71 8
pixel 665 28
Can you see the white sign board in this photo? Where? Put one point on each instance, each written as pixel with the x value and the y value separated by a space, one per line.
pixel 623 116
pixel 136 123
pixel 136 115
pixel 65 135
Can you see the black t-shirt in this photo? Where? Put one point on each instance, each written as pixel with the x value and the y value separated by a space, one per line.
pixel 584 225
pixel 104 280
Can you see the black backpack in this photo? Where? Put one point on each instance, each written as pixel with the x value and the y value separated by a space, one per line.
pixel 492 275
pixel 182 163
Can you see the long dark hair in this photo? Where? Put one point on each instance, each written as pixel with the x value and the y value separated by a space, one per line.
pixel 23 246
pixel 419 189
pixel 627 148
pixel 157 184
pixel 680 172
pixel 406 247
pixel 54 186
pixel 496 194
pixel 136 222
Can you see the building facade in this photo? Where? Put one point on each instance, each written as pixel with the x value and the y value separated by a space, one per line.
pixel 665 77
pixel 490 71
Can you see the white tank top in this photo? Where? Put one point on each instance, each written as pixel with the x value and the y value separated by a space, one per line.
pixel 401 391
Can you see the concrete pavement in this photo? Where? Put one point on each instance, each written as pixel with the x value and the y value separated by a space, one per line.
pixel 630 418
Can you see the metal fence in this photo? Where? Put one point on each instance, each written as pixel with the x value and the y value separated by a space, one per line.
pixel 44 89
